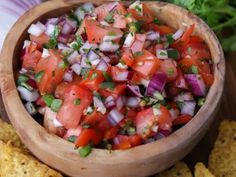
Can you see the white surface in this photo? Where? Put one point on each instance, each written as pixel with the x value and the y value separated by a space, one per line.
pixel 11 10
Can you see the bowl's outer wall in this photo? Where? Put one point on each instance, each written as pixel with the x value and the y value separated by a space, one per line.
pixel 140 161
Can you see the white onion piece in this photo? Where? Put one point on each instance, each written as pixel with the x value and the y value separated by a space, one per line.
pixel 64 48
pixel 86 47
pixel 80 14
pixel 74 57
pixel 50 29
pixel 102 65
pixel 98 104
pixel 178 34
pixel 108 46
pixel 23 71
pixel 95 62
pixel 187 96
pixel 162 54
pixel 152 35
pixel 133 102
pixel 35 30
pixel 28 95
pixel 155 128
pixel 88 7
pixel 26 43
pixel 84 62
pixel 68 76
pixel 52 21
pixel 76 68
pixel 45 53
pixel 56 122
pixel 92 55
pixel 104 23
pixel 188 107
pixel 122 66
pixel 41 26
pixel 114 117
pixel 129 40
pixel 30 108
pixel 111 38
pixel 106 59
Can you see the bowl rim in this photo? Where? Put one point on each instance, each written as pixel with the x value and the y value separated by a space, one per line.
pixel 175 139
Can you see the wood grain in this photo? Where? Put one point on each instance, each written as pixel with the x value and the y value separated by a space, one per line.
pixel 139 161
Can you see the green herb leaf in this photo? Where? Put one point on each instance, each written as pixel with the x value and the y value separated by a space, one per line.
pixel 38 76
pixel 27 86
pixel 63 64
pixel 48 99
pixel 85 151
pixel 170 39
pixel 173 53
pixel 86 126
pixel 156 21
pixel 56 104
pixel 135 27
pixel 93 76
pixel 72 138
pixel 201 101
pixel 110 85
pixel 52 43
pixel 77 101
pixel 194 69
pixel 109 18
pixel 107 76
pixel 22 78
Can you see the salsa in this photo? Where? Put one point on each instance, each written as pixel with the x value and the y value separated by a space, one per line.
pixel 113 77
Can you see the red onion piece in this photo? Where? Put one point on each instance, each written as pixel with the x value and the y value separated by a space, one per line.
pixel 157 83
pixel 32 83
pixel 134 90
pixel 114 117
pixel 180 81
pixel 98 104
pixel 74 57
pixel 110 102
pixel 187 96
pixel 51 21
pixel 196 84
pixel 120 102
pixel 92 55
pixel 28 95
pixel 76 68
pixel 133 102
pixel 63 38
pixel 102 65
pixel 86 47
pixel 108 46
pixel 152 35
pixel 178 34
pixel 35 30
pixel 68 76
pixel 188 107
pixel 122 76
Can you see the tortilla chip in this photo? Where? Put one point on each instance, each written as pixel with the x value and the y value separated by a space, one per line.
pixel 202 171
pixel 222 160
pixel 15 163
pixel 178 170
pixel 8 134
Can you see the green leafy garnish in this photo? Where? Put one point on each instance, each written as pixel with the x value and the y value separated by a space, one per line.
pixel 48 99
pixel 77 101
pixel 72 139
pixel 78 44
pixel 22 78
pixel 93 76
pixel 109 85
pixel 107 76
pixel 135 26
pixel 38 76
pixel 109 18
pixel 201 101
pixel 173 53
pixel 156 21
pixel 85 151
pixel 194 69
pixel 170 39
pixel 63 64
pixel 56 104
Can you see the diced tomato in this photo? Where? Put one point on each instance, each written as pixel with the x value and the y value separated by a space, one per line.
pixel 119 21
pixel 95 32
pixel 182 119
pixel 147 16
pixel 76 100
pixel 73 132
pixel 146 119
pixel 168 66
pixel 180 81
pixel 131 113
pixel 126 142
pixel 40 40
pixel 186 36
pixel 94 79
pixel 52 72
pixel 162 29
pixel 146 63
pixel 138 43
pixel 111 133
pixel 103 125
pixel 128 58
pixel 117 91
pixel 93 119
pixel 137 78
pixel 30 60
pixel 122 146
pixel 40 102
pixel 135 140
pixel 86 136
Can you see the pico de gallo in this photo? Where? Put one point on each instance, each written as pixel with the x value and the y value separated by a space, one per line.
pixel 113 77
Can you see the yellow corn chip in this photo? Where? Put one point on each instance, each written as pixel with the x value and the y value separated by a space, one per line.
pixel 7 133
pixel 15 163
pixel 178 170
pixel 202 171
pixel 222 160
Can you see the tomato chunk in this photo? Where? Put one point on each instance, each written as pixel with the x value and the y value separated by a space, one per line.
pixel 86 136
pixel 77 99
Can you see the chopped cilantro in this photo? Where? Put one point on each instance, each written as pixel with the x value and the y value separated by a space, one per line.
pixel 170 71
pixel 72 138
pixel 109 18
pixel 22 78
pixel 163 53
pixel 48 99
pixel 56 104
pixel 38 76
pixel 86 126
pixel 173 53
pixel 135 26
pixel 194 69
pixel 85 151
pixel 63 64
pixel 110 85
pixel 93 76
pixel 137 54
pixel 111 33
pixel 52 43
pixel 201 101
pixel 156 21
pixel 107 76
pixel 170 39
pixel 77 101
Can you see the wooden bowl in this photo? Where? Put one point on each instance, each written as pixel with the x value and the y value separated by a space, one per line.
pixel 139 161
